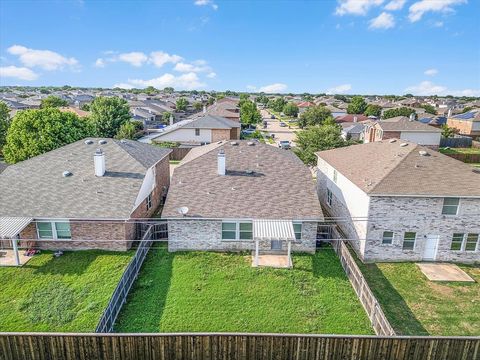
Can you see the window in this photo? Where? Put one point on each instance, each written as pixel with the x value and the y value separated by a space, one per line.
pixel 56 230
pixel 457 240
pixel 387 237
pixel 197 132
pixel 45 230
pixel 335 175
pixel 329 197
pixel 409 240
pixel 229 231
pixel 297 228
pixel 450 206
pixel 246 232
pixel 471 243
pixel 148 201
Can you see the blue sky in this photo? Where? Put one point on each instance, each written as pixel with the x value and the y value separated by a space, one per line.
pixel 346 46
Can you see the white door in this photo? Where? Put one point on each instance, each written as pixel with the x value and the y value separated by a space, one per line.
pixel 431 244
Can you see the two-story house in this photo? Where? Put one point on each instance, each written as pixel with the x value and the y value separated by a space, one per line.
pixel 398 201
pixel 467 123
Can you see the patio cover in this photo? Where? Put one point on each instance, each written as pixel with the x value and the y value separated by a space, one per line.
pixel 273 230
pixel 12 226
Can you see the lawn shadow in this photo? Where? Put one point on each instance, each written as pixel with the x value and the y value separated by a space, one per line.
pixel 70 263
pixel 146 301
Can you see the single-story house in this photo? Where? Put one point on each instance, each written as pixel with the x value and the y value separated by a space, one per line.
pixel 398 201
pixel 467 123
pixel 242 195
pixel 404 128
pixel 83 195
pixel 351 118
pixel 226 108
pixel 352 131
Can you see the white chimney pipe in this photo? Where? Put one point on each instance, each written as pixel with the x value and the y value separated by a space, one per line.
pixel 355 119
pixel 221 162
pixel 171 119
pixel 99 161
pixel 204 109
pixel 449 112
pixel 412 117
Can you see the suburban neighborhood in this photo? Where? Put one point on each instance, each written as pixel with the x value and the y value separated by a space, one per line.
pixel 224 199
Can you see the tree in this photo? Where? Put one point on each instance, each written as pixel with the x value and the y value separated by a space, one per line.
pixel 307 97
pixel 181 104
pixel 85 107
pixel 277 104
pixel 52 101
pixel 262 99
pixel 197 106
pixel 168 90
pixel 341 98
pixel 210 101
pixel 4 124
pixel 314 115
pixel 108 114
pixel 34 132
pixel 357 105
pixel 150 90
pixel 243 98
pixel 290 109
pixel 129 130
pixel 166 117
pixel 402 111
pixel 373 110
pixel 249 113
pixel 429 109
pixel 448 132
pixel 317 138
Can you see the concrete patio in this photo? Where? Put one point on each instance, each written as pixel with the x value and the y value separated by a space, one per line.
pixel 7 258
pixel 276 261
pixel 444 272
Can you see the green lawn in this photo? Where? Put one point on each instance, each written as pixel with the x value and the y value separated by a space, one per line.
pixel 51 294
pixel 417 306
pixel 221 292
pixel 471 150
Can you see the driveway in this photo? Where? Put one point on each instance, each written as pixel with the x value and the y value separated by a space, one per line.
pixel 273 127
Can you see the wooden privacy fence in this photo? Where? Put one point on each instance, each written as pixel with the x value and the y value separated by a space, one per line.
pixel 375 313
pixel 15 346
pixel 457 141
pixel 466 158
pixel 119 296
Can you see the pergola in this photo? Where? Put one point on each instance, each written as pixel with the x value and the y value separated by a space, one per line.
pixel 267 230
pixel 10 228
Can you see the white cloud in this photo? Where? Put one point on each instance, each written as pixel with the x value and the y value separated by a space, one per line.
pixel 21 73
pixel 188 81
pixel 100 63
pixel 438 24
pixel 340 89
pixel 44 59
pixel 431 72
pixel 197 66
pixel 418 9
pixel 382 21
pixel 211 75
pixel 251 87
pixel 134 58
pixel 123 86
pixel 206 3
pixel 356 7
pixel 395 5
pixel 273 88
pixel 160 58
pixel 426 88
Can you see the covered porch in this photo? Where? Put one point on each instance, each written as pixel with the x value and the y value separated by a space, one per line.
pixel 271 234
pixel 10 229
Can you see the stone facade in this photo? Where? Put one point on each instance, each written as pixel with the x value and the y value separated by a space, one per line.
pixel 207 235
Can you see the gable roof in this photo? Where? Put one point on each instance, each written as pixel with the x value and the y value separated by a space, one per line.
pixel 36 187
pixel 386 168
pixel 473 115
pixel 403 123
pixel 280 187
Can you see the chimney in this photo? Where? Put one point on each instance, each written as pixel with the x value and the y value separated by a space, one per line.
pixel 221 162
pixel 171 119
pixel 412 117
pixel 204 109
pixel 99 161
pixel 355 119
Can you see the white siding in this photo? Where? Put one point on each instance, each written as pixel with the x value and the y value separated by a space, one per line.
pixel 422 137
pixel 147 186
pixel 187 135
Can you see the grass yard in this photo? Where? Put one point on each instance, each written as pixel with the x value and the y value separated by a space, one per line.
pixel 51 294
pixel 417 306
pixel 471 150
pixel 221 292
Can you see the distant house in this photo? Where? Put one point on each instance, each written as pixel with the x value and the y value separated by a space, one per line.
pixel 239 195
pixel 226 107
pixel 352 131
pixel 200 130
pixel 75 111
pixel 404 128
pixel 467 123
pixel 84 195
pixel 398 201
pixel 351 118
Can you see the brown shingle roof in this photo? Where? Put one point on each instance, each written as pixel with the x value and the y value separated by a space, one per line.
pixel 281 187
pixel 403 123
pixel 386 168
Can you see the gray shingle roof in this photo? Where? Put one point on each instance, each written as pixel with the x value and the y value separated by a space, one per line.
pixel 386 168
pixel 403 123
pixel 281 186
pixel 36 187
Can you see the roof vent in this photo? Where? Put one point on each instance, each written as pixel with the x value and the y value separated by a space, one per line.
pixel 249 172
pixel 250 143
pixel 102 142
pixel 403 144
pixel 88 142
pixel 234 143
pixel 67 173
pixel 391 141
pixel 423 153
pixel 123 141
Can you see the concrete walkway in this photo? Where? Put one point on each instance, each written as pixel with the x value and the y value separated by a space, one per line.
pixel 276 261
pixel 7 258
pixel 444 272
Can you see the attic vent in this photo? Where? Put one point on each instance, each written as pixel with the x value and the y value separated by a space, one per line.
pixel 403 144
pixel 66 173
pixel 102 142
pixel 423 153
pixel 234 143
pixel 250 143
pixel 88 142
pixel 392 141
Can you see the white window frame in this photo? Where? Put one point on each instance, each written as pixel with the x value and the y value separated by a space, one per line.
pixel 465 237
pixel 414 241
pixel 383 237
pixel 458 206
pixel 301 229
pixel 54 229
pixel 329 197
pixel 237 229
pixel 148 201
pixel 462 244
pixel 197 132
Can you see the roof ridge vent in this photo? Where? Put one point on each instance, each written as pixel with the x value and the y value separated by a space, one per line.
pixel 102 142
pixel 403 144
pixel 391 141
pixel 233 143
pixel 66 173
pixel 423 153
pixel 250 143
pixel 88 142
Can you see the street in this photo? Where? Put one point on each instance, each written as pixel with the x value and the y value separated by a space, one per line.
pixel 273 127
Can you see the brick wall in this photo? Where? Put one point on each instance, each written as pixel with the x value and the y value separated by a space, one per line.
pixel 220 134
pixel 465 127
pixel 390 135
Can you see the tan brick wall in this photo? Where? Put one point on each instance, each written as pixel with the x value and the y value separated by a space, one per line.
pixel 390 135
pixel 235 134
pixel 465 127
pixel 220 134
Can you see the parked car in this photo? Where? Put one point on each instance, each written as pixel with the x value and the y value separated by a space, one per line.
pixel 282 124
pixel 272 117
pixel 248 131
pixel 284 144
